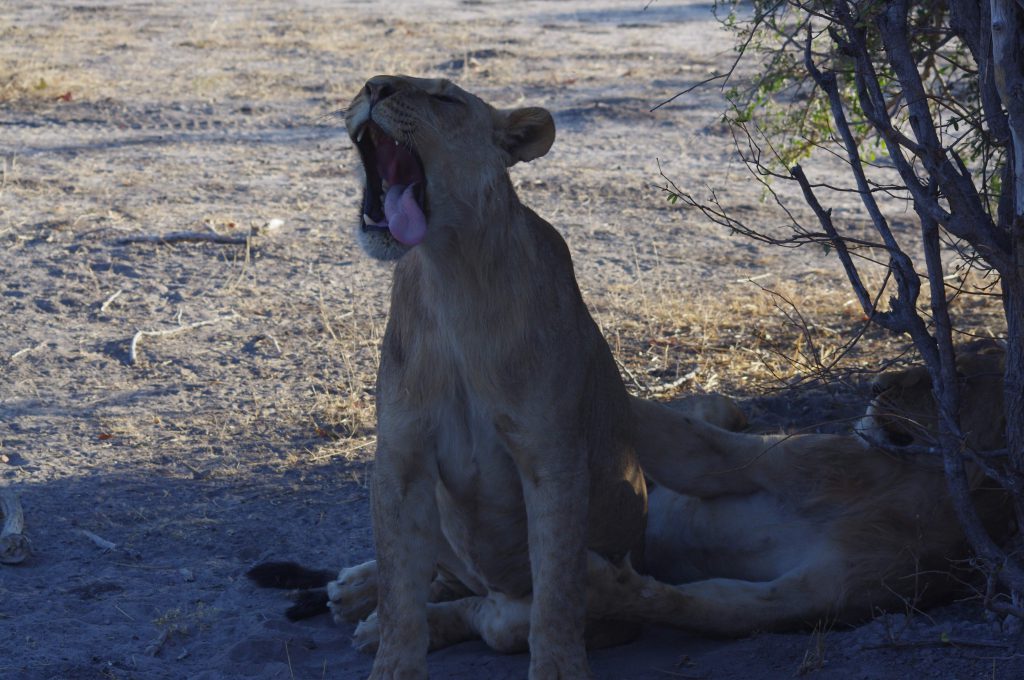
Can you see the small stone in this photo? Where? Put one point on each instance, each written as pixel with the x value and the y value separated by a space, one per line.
pixel 269 227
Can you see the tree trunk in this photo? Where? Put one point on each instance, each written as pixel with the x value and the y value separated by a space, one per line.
pixel 1007 18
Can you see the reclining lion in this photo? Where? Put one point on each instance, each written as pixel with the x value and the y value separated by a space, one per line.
pixel 507 487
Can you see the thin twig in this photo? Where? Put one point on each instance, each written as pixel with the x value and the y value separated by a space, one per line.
pixel 752 279
pixel 825 219
pixel 98 540
pixel 133 349
pixel 154 647
pixel 22 352
pixel 741 50
pixel 693 87
pixel 110 300
pixel 946 642
pixel 350 449
pixel 272 339
pixel 185 236
pixel 126 614
pixel 629 374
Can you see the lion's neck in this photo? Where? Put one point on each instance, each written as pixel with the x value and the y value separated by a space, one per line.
pixel 482 244
pixel 471 302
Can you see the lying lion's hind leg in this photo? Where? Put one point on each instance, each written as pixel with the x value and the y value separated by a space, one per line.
pixel 503 623
pixel 733 607
pixel 719 606
pixel 692 456
pixel 717 409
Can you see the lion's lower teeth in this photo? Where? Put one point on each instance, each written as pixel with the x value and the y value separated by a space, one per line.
pixel 384 186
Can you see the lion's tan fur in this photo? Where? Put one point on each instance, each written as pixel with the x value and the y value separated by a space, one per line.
pixel 507 444
pixel 903 410
pixel 504 429
pixel 754 532
pixel 775 531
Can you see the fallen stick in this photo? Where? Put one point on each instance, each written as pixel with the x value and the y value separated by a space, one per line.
pixel 22 352
pixel 185 237
pixel 675 384
pixel 14 545
pixel 99 540
pixel 941 642
pixel 154 647
pixel 110 300
pixel 133 348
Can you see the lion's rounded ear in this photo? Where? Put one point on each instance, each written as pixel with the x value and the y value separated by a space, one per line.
pixel 525 134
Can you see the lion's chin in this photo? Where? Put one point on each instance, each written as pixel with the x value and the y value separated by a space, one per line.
pixel 378 242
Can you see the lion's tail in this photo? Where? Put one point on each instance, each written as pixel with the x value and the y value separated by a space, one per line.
pixel 311 596
pixel 289 575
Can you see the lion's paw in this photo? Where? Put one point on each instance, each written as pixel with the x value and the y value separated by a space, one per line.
pixel 367 636
pixel 353 596
pixel 398 667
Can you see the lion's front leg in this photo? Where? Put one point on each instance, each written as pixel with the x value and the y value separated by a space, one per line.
pixel 406 530
pixel 556 494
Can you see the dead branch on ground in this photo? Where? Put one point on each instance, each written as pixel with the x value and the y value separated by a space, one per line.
pixel 133 348
pixel 186 237
pixel 100 542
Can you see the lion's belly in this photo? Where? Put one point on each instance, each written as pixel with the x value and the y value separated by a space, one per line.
pixel 753 537
pixel 480 500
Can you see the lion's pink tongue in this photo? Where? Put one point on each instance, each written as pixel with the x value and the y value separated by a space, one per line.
pixel 406 221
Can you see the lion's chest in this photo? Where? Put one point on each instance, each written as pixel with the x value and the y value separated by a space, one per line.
pixel 480 496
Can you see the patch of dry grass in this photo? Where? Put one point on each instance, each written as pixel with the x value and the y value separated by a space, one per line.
pixel 757 337
pixel 41 82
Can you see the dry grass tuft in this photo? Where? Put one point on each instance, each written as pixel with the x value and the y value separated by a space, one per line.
pixel 756 337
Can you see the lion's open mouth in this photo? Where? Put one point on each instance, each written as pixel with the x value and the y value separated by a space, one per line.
pixel 395 195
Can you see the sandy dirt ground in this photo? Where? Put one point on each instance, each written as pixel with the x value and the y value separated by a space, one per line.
pixel 203 406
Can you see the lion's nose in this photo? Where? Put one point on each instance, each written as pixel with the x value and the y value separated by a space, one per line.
pixel 379 88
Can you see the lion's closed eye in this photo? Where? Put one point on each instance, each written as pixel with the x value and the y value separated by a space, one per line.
pixel 447 99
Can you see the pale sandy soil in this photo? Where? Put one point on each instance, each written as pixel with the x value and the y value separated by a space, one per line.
pixel 250 438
